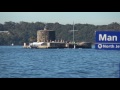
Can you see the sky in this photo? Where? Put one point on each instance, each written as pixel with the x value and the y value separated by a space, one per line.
pixel 96 18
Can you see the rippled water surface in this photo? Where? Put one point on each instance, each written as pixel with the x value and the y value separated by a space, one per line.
pixel 16 62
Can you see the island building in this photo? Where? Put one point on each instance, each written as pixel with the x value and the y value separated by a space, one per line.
pixel 47 39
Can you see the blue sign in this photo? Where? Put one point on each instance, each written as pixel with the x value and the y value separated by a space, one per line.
pixel 108 46
pixel 109 40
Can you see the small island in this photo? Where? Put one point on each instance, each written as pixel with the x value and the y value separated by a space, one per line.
pixel 46 39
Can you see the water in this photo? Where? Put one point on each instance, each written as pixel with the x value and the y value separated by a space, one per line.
pixel 16 62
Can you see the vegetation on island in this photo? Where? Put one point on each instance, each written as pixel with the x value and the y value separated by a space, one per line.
pixel 27 31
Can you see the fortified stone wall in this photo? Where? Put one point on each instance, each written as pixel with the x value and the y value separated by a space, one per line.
pixel 45 35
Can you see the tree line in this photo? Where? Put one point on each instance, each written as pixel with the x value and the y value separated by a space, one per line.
pixel 27 31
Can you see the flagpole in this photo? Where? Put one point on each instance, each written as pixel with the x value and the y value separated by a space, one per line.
pixel 73 36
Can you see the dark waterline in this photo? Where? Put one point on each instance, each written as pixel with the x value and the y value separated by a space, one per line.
pixel 16 62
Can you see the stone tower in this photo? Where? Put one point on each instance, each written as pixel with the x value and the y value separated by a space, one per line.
pixel 45 35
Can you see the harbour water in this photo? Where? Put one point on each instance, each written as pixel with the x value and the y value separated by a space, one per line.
pixel 16 62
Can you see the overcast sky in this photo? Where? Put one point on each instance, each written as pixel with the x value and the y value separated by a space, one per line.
pixel 96 18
